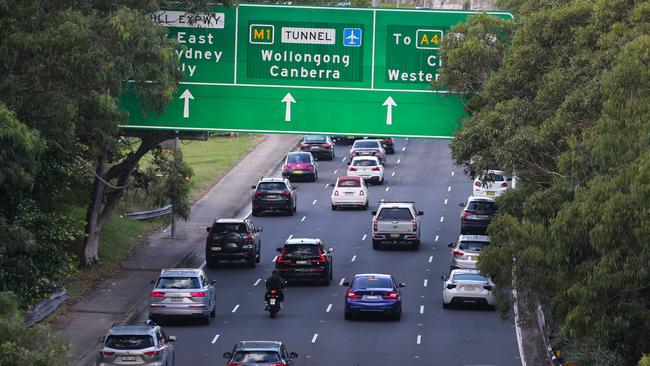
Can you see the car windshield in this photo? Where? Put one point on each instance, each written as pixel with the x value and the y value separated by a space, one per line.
pixel 364 162
pixel 470 277
pixel 224 228
pixel 131 341
pixel 372 282
pixel 475 246
pixel 364 144
pixel 315 139
pixel 256 356
pixel 271 186
pixel 349 183
pixel 301 249
pixel 486 206
pixel 297 158
pixel 178 282
pixel 393 213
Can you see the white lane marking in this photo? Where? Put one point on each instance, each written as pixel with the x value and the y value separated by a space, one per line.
pixel 426 282
pixel 314 338
pixel 342 280
pixel 446 201
pixel 290 236
pixel 327 185
pixel 257 282
pixel 303 218
pixel 274 258
pixel 430 258
pixel 382 200
pixel 419 339
pixel 335 171
pixel 442 218
pixel 421 309
pixel 452 173
pixel 329 307
pixel 387 189
pixel 436 239
pixel 407 139
pixel 392 175
pixel 354 258
pixel 343 159
pixel 313 203
pixel 203 265
pixel 515 310
pixel 235 308
pixel 449 189
pixel 214 340
pixel 404 148
pixel 364 237
pixel 398 160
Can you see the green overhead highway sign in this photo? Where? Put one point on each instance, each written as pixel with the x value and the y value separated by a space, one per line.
pixel 305 69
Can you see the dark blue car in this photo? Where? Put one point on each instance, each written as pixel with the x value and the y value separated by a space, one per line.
pixel 373 293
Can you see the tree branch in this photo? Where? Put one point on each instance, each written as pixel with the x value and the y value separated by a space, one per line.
pixel 9 67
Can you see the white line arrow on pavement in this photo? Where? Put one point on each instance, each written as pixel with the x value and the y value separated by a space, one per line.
pixel 287 111
pixel 186 108
pixel 390 103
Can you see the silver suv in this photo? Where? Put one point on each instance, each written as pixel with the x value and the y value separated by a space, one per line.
pixel 183 291
pixel 465 252
pixel 136 344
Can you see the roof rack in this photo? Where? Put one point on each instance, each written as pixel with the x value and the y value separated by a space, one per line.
pixel 147 322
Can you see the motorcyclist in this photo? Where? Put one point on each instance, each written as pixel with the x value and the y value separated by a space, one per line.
pixel 275 282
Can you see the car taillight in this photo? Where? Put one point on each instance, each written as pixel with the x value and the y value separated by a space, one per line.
pixel 376 169
pixel 388 140
pixel 322 259
pixel 377 153
pixel 477 183
pixel 286 168
pixel 197 294
pixel 450 286
pixel 361 193
pixel 352 295
pixel 106 353
pixel 210 237
pixel 458 253
pixel 336 193
pixel 152 353
pixel 257 194
pixel 465 214
pixel 235 364
pixel 250 237
pixel 352 169
pixel 487 287
pixel 326 146
pixel 310 167
pixel 282 260
pixel 302 146
pixel 286 193
pixel 278 364
pixel 274 291
pixel 504 184
pixel 157 294
pixel 375 224
pixel 353 153
pixel 415 225
pixel 392 295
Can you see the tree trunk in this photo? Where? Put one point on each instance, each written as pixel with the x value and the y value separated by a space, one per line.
pixel 90 248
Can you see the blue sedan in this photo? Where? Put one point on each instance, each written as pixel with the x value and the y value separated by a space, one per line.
pixel 373 293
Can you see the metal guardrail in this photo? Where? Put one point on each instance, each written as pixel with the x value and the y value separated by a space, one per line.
pixel 46 307
pixel 143 215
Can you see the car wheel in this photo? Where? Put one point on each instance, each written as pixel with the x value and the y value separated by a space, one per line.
pixel 398 315
pixel 255 213
pixel 381 182
pixel 415 245
pixel 332 155
pixel 315 177
pixel 333 207
pixel 252 262
pixel 258 257
pixel 295 207
pixel 348 314
pixel 211 263
pixel 326 281
pixel 213 313
pixel 375 244
pixel 445 306
pixel 206 319
pixel 365 207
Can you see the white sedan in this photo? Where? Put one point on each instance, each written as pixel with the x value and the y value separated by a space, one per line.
pixel 495 186
pixel 349 191
pixel 467 287
pixel 367 167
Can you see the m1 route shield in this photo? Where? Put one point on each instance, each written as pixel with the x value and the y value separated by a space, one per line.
pixel 305 69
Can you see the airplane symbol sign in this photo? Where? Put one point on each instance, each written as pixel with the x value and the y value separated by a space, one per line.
pixel 352 37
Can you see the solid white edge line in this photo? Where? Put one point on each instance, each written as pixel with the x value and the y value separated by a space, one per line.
pixel 354 257
pixel 430 258
pixel 342 280
pixel 419 339
pixel 214 340
pixel 515 310
pixel 364 237
pixel 426 282
pixel 313 203
pixel 257 282
pixel 437 237
pixel 235 308
pixel 314 338
pixel 274 258
pixel 329 307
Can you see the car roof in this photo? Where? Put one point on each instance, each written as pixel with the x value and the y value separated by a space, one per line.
pixel 396 204
pixel 466 271
pixel 375 140
pixel 347 177
pixel 136 329
pixel 303 241
pixel 273 179
pixel 299 153
pixel 365 158
pixel 377 275
pixel 479 198
pixel 230 221
pixel 258 345
pixel 474 238
pixel 185 272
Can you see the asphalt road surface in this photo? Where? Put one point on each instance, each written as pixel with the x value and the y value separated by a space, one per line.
pixel 312 323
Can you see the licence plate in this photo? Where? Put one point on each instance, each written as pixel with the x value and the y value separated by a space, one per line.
pixel 232 245
pixel 128 358
pixel 394 235
pixel 372 297
pixel 271 196
pixel 297 172
pixel 473 258
pixel 301 262
pixel 490 193
pixel 177 299
pixel 468 288
pixel 216 248
pixel 349 193
pixel 272 301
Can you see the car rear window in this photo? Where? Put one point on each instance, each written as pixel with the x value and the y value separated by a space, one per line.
pixel 475 246
pixel 486 206
pixel 315 139
pixel 224 228
pixel 366 144
pixel 298 158
pixel 349 183
pixel 135 341
pixel 256 356
pixel 372 282
pixel 271 186
pixel 178 282
pixel 470 277
pixel 364 162
pixel 301 249
pixel 493 177
pixel 390 213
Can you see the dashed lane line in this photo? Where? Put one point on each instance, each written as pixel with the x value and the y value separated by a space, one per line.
pixel 314 338
pixel 418 340
pixel 290 236
pixel 327 185
pixel 398 161
pixel 449 189
pixel 452 173
pixel 313 203
pixel 364 237
pixel 235 308
pixel 303 218
pixel 274 259
pixel 335 171
pixel 341 282
pixel 214 340
pixel 446 201
pixel 442 218
pixel 387 189
pixel 257 282
pixel 421 309
pixel 392 175
pixel 430 258
pixel 404 148
pixel 329 307
pixel 354 257
pixel 426 282
pixel 437 237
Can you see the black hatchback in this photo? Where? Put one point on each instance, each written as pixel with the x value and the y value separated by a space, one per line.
pixel 477 215
pixel 319 146
pixel 274 194
pixel 305 259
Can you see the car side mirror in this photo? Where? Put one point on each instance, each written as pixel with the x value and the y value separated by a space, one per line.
pixel 330 250
pixel 101 339
pixel 171 338
pixel 401 284
pixel 346 283
pixel 509 179
pixel 444 278
pixel 253 187
pixel 330 185
pixel 152 282
pixel 373 213
pixel 278 249
pixel 293 355
pixel 208 229
pixel 227 355
pixel 420 213
pixel 462 204
pixel 260 229
pixel 213 283
pixel 451 245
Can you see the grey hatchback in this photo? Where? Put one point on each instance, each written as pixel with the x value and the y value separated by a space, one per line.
pixel 136 344
pixel 260 353
pixel 183 291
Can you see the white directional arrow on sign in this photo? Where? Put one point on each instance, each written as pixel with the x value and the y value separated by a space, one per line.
pixel 186 108
pixel 390 103
pixel 287 111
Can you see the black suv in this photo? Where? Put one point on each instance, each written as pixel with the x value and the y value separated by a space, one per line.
pixel 260 352
pixel 274 194
pixel 304 258
pixel 319 146
pixel 477 214
pixel 231 240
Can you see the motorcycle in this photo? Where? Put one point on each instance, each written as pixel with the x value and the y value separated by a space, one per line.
pixel 273 302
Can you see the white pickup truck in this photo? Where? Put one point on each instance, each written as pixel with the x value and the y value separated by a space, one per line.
pixel 396 223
